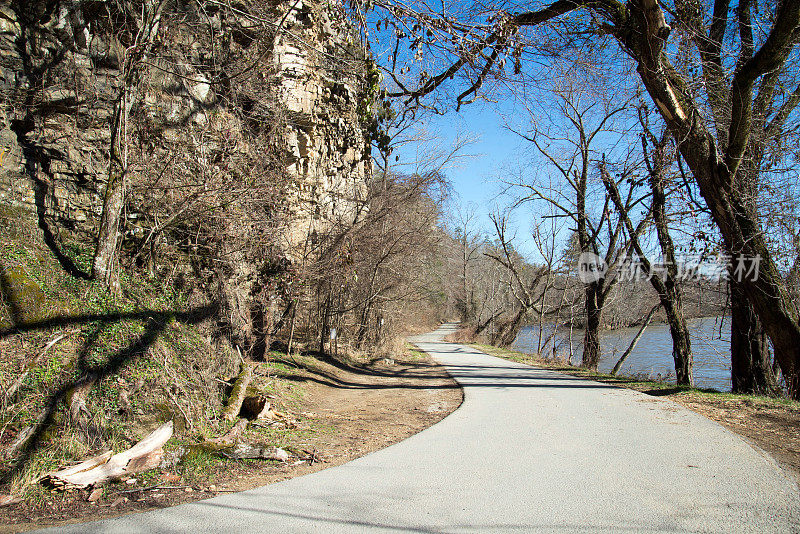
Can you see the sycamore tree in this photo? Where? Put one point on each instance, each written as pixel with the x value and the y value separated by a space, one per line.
pixel 716 70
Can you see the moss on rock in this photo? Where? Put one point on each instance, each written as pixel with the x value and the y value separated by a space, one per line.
pixel 23 299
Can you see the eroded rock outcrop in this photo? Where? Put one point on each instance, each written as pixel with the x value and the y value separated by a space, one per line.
pixel 238 127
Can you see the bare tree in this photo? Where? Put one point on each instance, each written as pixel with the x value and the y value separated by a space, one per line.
pixel 523 283
pixel 664 278
pixel 600 232
pixel 468 239
pixel 713 144
pixel 141 24
pixel 545 239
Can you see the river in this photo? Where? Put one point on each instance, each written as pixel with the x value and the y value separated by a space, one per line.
pixel 652 356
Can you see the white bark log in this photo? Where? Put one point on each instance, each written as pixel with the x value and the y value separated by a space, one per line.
pixel 98 470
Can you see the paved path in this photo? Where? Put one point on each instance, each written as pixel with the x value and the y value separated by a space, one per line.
pixel 528 451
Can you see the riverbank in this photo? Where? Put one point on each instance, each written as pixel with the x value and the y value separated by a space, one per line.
pixel 770 424
pixel 652 356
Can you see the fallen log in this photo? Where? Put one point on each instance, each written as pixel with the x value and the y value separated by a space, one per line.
pixel 231 436
pixel 244 451
pixel 8 500
pixel 86 465
pixel 97 471
pixel 238 393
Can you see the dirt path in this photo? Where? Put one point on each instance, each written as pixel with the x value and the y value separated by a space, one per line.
pixel 345 410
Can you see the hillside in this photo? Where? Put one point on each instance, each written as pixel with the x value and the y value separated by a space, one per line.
pixel 188 209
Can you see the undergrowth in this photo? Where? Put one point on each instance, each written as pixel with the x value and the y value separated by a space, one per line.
pixel 150 361
pixel 148 355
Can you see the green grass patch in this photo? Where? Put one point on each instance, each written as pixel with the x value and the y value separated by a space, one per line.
pixel 199 465
pixel 414 354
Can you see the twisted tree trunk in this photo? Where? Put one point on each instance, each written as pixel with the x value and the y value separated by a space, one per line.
pixel 751 371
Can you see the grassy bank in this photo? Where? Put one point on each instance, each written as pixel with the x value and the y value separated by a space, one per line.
pixel 331 412
pixel 89 371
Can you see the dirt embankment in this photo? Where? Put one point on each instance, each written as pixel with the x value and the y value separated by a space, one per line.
pixel 343 409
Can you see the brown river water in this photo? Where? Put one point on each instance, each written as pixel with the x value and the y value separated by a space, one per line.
pixel 652 356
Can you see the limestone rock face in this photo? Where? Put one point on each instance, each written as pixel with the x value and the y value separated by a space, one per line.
pixel 240 128
pixel 61 76
pixel 320 79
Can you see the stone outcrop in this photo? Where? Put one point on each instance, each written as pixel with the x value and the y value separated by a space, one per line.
pixel 241 129
pixel 60 76
pixel 320 80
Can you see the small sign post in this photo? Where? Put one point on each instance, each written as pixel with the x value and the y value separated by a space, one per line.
pixel 335 342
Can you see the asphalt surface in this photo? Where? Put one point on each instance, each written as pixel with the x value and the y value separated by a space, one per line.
pixel 529 450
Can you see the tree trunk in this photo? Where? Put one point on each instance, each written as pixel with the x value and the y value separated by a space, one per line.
pixel 363 326
pixel 635 339
pixel 669 290
pixel 681 344
pixel 104 263
pixel 480 327
pixel 739 226
pixel 145 455
pixel 750 361
pixel 325 324
pixel 238 393
pixel 751 371
pixel 766 292
pixel 508 331
pixel 291 329
pixel 591 335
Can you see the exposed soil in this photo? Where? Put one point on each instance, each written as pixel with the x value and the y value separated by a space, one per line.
pixel 774 428
pixel 770 424
pixel 344 410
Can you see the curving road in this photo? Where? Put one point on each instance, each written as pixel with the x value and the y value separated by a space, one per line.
pixel 529 450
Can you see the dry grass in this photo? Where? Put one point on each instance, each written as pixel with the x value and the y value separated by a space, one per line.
pixel 463 335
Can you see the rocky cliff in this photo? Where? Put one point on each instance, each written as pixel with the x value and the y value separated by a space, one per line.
pixel 60 74
pixel 239 129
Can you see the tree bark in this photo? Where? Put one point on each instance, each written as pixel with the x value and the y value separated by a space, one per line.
pixel 325 323
pixel 96 471
pixel 238 393
pixel 591 334
pixel 751 371
pixel 104 263
pixel 508 331
pixel 681 343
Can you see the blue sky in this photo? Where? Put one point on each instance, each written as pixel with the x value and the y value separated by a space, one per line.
pixel 475 178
